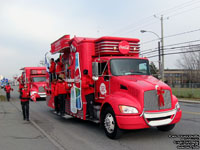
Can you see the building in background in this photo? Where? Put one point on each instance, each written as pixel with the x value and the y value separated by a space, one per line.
pixel 182 78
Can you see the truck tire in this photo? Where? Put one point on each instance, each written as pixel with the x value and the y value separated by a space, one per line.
pixel 110 125
pixel 166 127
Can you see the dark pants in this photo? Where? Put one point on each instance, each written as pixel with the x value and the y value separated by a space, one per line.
pixel 62 99
pixel 56 102
pixel 25 109
pixel 90 102
pixel 52 76
pixel 8 96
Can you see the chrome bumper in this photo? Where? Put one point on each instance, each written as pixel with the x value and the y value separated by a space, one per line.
pixel 159 118
pixel 42 95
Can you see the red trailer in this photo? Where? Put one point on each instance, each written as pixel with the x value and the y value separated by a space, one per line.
pixel 35 79
pixel 126 95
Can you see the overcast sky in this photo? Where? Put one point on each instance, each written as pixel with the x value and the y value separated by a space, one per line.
pixel 28 27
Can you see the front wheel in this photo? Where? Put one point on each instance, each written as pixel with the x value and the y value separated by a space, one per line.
pixel 110 125
pixel 166 127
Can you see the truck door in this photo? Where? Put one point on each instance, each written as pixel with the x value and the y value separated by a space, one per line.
pixel 102 84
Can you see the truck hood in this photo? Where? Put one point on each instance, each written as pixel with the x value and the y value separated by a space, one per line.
pixel 143 82
pixel 136 85
pixel 36 85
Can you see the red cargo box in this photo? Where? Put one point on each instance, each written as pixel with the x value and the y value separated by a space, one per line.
pixel 117 46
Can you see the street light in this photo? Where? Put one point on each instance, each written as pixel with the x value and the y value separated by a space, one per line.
pixel 159 58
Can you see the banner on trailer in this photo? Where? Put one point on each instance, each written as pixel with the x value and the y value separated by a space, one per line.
pixel 76 100
pixel 73 108
pixel 78 82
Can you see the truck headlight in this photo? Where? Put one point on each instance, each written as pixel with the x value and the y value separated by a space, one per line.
pixel 177 106
pixel 128 109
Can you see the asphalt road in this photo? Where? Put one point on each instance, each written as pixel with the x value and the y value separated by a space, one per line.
pixel 74 134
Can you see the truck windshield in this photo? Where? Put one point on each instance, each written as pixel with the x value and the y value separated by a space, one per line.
pixel 124 66
pixel 39 79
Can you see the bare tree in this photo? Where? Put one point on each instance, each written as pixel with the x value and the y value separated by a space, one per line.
pixel 190 62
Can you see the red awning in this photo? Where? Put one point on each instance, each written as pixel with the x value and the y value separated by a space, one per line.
pixel 60 44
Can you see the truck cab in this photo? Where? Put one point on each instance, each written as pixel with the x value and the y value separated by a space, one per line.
pixel 131 98
pixel 35 79
pixel 38 83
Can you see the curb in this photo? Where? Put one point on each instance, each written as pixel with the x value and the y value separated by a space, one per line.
pixel 189 101
pixel 54 142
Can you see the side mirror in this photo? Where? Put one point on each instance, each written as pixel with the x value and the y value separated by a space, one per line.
pixel 95 71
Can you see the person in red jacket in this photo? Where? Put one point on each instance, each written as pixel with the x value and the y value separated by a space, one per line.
pixel 54 93
pixel 59 66
pixel 8 89
pixel 25 96
pixel 88 88
pixel 52 70
pixel 61 89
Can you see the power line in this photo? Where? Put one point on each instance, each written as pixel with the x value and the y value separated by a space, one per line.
pixel 182 5
pixel 178 7
pixel 155 49
pixel 136 24
pixel 182 33
pixel 184 11
pixel 174 48
pixel 128 29
pixel 183 43
pixel 176 53
pixel 136 29
pixel 173 35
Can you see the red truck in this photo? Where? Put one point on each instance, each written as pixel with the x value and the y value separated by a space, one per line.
pixel 126 95
pixel 35 79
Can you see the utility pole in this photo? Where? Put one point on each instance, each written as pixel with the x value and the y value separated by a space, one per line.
pixel 159 59
pixel 162 47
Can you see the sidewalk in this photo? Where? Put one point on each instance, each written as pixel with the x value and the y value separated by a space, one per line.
pixel 17 134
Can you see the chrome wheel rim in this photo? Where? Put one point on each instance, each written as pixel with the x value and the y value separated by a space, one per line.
pixel 109 123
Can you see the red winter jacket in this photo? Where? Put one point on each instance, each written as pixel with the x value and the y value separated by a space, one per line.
pixel 8 88
pixel 25 95
pixel 53 89
pixel 87 82
pixel 59 67
pixel 52 67
pixel 61 88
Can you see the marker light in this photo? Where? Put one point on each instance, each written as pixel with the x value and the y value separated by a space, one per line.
pixel 177 106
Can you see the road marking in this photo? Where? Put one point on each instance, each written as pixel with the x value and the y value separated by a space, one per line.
pixel 193 113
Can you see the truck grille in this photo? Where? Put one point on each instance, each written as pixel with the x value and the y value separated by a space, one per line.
pixel 151 101
pixel 41 89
